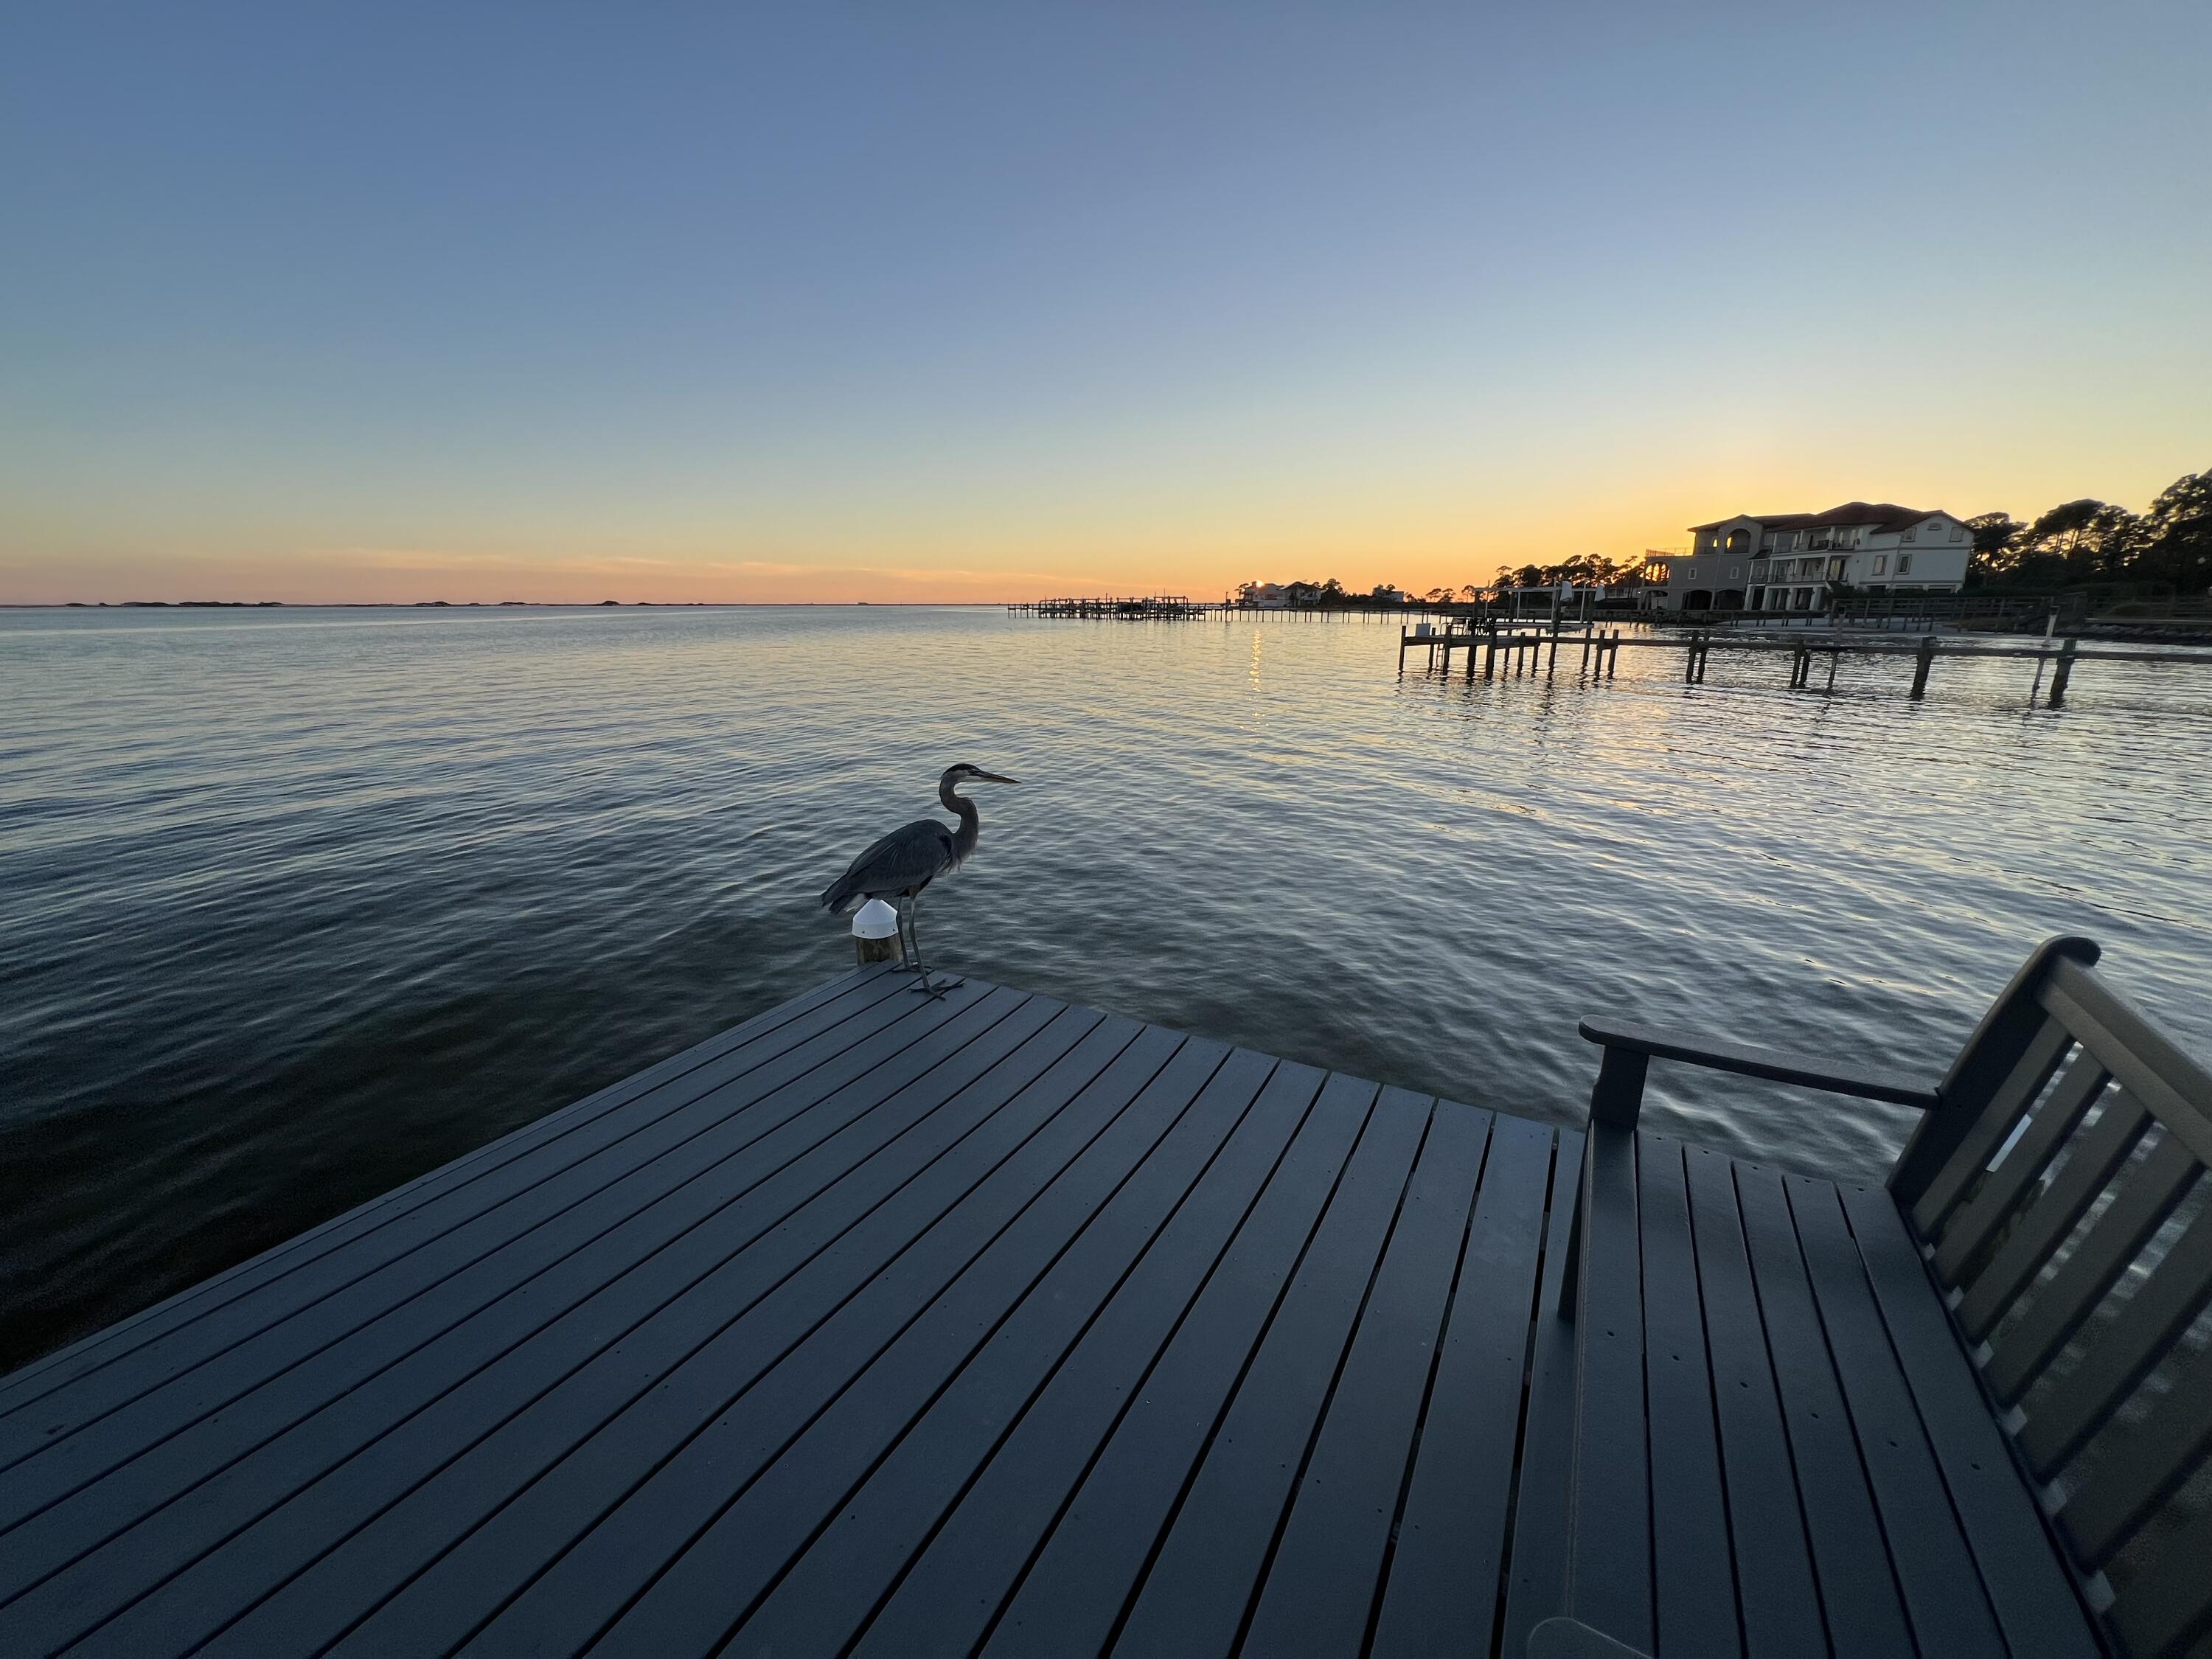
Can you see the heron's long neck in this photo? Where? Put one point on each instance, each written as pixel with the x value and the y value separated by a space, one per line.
pixel 971 824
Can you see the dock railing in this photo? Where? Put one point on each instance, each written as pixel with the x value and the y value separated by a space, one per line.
pixel 2055 1187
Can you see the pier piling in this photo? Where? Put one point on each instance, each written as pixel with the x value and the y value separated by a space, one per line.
pixel 2061 673
pixel 876 933
pixel 1923 659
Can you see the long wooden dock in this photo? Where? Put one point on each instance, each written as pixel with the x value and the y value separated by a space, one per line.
pixel 889 1326
pixel 1534 648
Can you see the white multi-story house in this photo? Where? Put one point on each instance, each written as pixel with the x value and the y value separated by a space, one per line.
pixel 1796 560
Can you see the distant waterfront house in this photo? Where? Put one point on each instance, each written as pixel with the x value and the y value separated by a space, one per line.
pixel 1796 561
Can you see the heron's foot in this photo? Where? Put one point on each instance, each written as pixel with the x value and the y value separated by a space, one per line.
pixel 935 988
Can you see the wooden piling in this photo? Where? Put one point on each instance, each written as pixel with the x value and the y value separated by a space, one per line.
pixel 1923 659
pixel 2061 673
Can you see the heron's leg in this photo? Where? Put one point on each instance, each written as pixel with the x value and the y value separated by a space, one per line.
pixel 910 941
pixel 928 986
pixel 914 931
pixel 906 949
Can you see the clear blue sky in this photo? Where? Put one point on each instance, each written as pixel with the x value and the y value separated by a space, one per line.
pixel 562 300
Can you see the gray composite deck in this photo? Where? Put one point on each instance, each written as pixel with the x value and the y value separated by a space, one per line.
pixel 898 1327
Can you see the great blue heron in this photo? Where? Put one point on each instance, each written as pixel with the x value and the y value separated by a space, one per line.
pixel 909 859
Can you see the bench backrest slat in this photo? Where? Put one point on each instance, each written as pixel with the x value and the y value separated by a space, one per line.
pixel 2041 1057
pixel 2097 1155
pixel 1977 1224
pixel 2012 1026
pixel 2174 1601
pixel 2143 1470
pixel 2060 1188
pixel 2142 1334
pixel 2062 1305
pixel 2174 1088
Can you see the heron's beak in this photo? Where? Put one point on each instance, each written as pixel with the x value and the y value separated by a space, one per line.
pixel 993 777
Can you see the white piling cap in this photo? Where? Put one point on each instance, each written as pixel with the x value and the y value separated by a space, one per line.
pixel 876 919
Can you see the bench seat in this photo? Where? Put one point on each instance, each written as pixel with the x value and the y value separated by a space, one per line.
pixel 1978 1378
pixel 1780 1445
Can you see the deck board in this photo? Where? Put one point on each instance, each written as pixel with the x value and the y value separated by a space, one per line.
pixel 477 1517
pixel 1851 1556
pixel 743 1394
pixel 474 1302
pixel 1943 1594
pixel 952 1591
pixel 570 1369
pixel 1175 1232
pixel 1067 1248
pixel 1446 1569
pixel 2018 1563
pixel 440 1263
pixel 894 1326
pixel 1542 1495
pixel 1320 1589
pixel 1780 1607
pixel 1072 1597
pixel 1209 1564
pixel 67 1366
pixel 1693 1562
pixel 653 1248
pixel 1609 1580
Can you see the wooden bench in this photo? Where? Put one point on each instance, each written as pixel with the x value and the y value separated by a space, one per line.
pixel 1950 1414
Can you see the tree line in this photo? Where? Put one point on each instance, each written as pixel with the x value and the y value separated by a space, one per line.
pixel 1329 595
pixel 1585 570
pixel 1588 570
pixel 2089 541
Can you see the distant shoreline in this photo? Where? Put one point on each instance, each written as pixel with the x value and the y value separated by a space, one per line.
pixel 504 605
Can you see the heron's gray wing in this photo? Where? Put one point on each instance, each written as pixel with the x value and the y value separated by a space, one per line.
pixel 910 856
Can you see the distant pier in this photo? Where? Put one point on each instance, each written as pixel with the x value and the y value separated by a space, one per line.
pixel 1531 647
pixel 1175 607
pixel 1154 607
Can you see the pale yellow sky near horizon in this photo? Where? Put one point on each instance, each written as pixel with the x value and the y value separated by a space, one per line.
pixel 1417 543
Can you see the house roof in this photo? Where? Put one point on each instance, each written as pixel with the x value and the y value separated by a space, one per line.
pixel 1885 515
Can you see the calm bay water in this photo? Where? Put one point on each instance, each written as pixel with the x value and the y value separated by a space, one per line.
pixel 296 906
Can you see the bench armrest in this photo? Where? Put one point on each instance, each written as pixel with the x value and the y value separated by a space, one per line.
pixel 1719 1055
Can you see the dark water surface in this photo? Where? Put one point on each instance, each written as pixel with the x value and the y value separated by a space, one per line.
pixel 294 907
